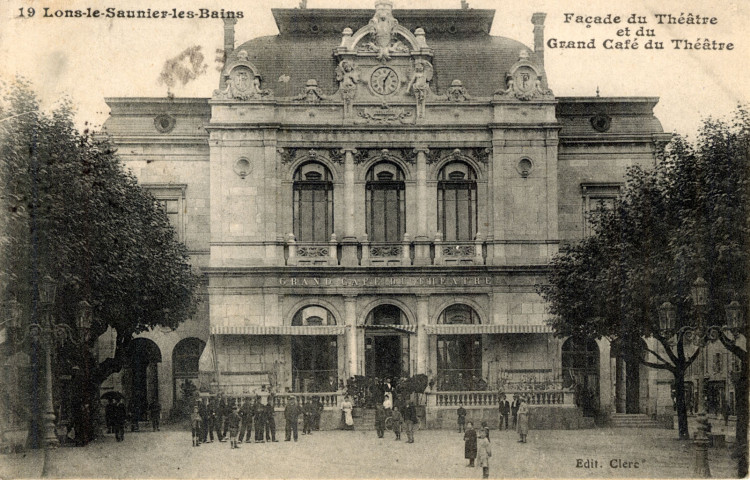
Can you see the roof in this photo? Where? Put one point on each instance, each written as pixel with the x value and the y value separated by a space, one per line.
pixel 462 46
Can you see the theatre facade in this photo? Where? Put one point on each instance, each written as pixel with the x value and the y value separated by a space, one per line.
pixel 378 193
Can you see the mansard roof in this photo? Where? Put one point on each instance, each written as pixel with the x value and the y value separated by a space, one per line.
pixel 462 48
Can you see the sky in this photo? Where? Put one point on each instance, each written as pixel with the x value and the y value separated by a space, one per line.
pixel 90 59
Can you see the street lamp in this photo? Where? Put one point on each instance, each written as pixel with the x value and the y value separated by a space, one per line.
pixel 700 335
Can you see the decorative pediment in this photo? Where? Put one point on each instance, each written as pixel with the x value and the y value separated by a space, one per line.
pixel 524 81
pixel 242 79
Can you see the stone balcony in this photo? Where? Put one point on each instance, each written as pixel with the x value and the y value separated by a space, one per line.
pixel 361 252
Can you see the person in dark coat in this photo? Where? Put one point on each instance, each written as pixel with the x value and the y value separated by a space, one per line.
pixel 397 420
pixel 135 416
pixel 317 411
pixel 461 413
pixel 207 413
pixel 308 417
pixel 470 444
pixel 380 420
pixel 247 412
pixel 291 415
pixel 233 425
pixel 504 412
pixel 154 411
pixel 270 421
pixel 260 420
pixel 109 415
pixel 220 409
pixel 119 416
pixel 410 420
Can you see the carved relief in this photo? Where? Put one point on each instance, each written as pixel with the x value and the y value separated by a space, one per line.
pixel 479 154
pixel 385 114
pixel 287 154
pixel 457 92
pixel 347 77
pixel 524 81
pixel 242 84
pixel 313 94
pixel 381 27
pixel 164 123
pixel 420 84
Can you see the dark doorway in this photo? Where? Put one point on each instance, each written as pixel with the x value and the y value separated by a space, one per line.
pixel 140 379
pixel 383 356
pixel 633 387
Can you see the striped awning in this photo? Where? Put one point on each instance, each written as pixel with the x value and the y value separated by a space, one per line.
pixel 398 328
pixel 279 330
pixel 485 329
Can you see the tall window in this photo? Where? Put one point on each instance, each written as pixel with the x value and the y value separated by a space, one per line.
pixel 386 208
pixel 459 357
pixel 313 203
pixel 170 199
pixel 314 357
pixel 597 197
pixel 457 202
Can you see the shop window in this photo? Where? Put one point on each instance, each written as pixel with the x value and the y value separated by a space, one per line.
pixel 314 357
pixel 313 203
pixel 386 206
pixel 580 370
pixel 459 357
pixel 457 202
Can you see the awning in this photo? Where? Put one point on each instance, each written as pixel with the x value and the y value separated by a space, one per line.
pixel 280 330
pixel 398 328
pixel 485 329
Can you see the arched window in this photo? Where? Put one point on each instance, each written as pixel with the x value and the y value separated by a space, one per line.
pixel 459 357
pixel 386 208
pixel 313 203
pixel 386 315
pixel 185 357
pixel 314 357
pixel 457 202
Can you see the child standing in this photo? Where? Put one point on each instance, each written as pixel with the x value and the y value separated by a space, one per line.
pixel 470 444
pixel 233 422
pixel 397 419
pixel 195 426
pixel 486 430
pixel 483 454
pixel 461 412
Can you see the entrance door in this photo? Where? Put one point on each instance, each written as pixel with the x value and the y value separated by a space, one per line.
pixel 633 387
pixel 383 356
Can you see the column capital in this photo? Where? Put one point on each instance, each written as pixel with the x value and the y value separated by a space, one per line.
pixel 422 296
pixel 350 297
pixel 348 149
pixel 421 149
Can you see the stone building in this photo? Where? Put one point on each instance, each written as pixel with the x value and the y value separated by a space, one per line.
pixel 378 193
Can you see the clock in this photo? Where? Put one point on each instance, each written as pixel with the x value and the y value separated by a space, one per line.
pixel 384 81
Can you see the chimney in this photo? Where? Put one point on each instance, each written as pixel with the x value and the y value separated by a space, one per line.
pixel 229 36
pixel 538 20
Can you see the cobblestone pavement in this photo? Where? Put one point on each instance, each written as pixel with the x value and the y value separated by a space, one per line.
pixel 338 454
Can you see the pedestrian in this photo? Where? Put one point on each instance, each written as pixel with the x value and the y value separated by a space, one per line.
pixel 109 415
pixel 207 409
pixel 270 421
pixel 514 410
pixel 380 420
pixel 226 410
pixel 346 414
pixel 470 444
pixel 291 415
pixel 135 416
pixel 523 420
pixel 247 412
pixel 259 420
pixel 504 412
pixel 410 419
pixel 196 426
pixel 397 420
pixel 308 417
pixel 461 412
pixel 483 454
pixel 233 425
pixel 154 411
pixel 220 418
pixel 318 409
pixel 120 415
pixel 486 430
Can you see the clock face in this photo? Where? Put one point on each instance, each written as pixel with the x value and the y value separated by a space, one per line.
pixel 384 81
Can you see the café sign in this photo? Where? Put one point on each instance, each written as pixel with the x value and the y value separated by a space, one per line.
pixel 401 281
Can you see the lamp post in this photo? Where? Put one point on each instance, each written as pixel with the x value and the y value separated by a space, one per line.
pixel 700 335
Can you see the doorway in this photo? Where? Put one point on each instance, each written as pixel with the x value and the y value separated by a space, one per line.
pixel 383 356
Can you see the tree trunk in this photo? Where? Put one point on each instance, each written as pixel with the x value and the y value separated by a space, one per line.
pixel 742 418
pixel 681 405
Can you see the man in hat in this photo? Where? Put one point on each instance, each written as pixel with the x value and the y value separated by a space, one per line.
pixel 291 415
pixel 233 424
pixel 270 421
pixel 247 412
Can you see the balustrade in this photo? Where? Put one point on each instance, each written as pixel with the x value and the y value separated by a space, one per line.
pixel 561 397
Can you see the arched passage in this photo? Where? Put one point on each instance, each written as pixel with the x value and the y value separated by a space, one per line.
pixel 185 358
pixel 631 377
pixel 386 346
pixel 141 377
pixel 459 357
pixel 580 370
pixel 314 357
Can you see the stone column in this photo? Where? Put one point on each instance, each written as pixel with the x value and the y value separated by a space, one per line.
pixel 421 241
pixel 621 385
pixel 349 243
pixel 422 345
pixel 350 309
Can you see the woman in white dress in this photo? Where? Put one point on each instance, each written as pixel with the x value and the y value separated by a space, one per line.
pixel 346 413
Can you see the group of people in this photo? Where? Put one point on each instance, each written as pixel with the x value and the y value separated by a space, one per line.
pixel 115 416
pixel 234 423
pixel 477 443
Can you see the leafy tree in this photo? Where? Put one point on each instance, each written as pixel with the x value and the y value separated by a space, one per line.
pixel 686 217
pixel 71 211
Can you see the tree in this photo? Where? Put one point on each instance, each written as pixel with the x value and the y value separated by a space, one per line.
pixel 71 211
pixel 685 217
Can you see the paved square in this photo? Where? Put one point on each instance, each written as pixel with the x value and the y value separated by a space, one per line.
pixel 358 454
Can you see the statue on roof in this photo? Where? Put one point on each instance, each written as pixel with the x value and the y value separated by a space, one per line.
pixel 382 26
pixel 419 85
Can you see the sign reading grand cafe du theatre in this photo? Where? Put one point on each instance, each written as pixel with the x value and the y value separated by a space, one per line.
pixel 376 194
